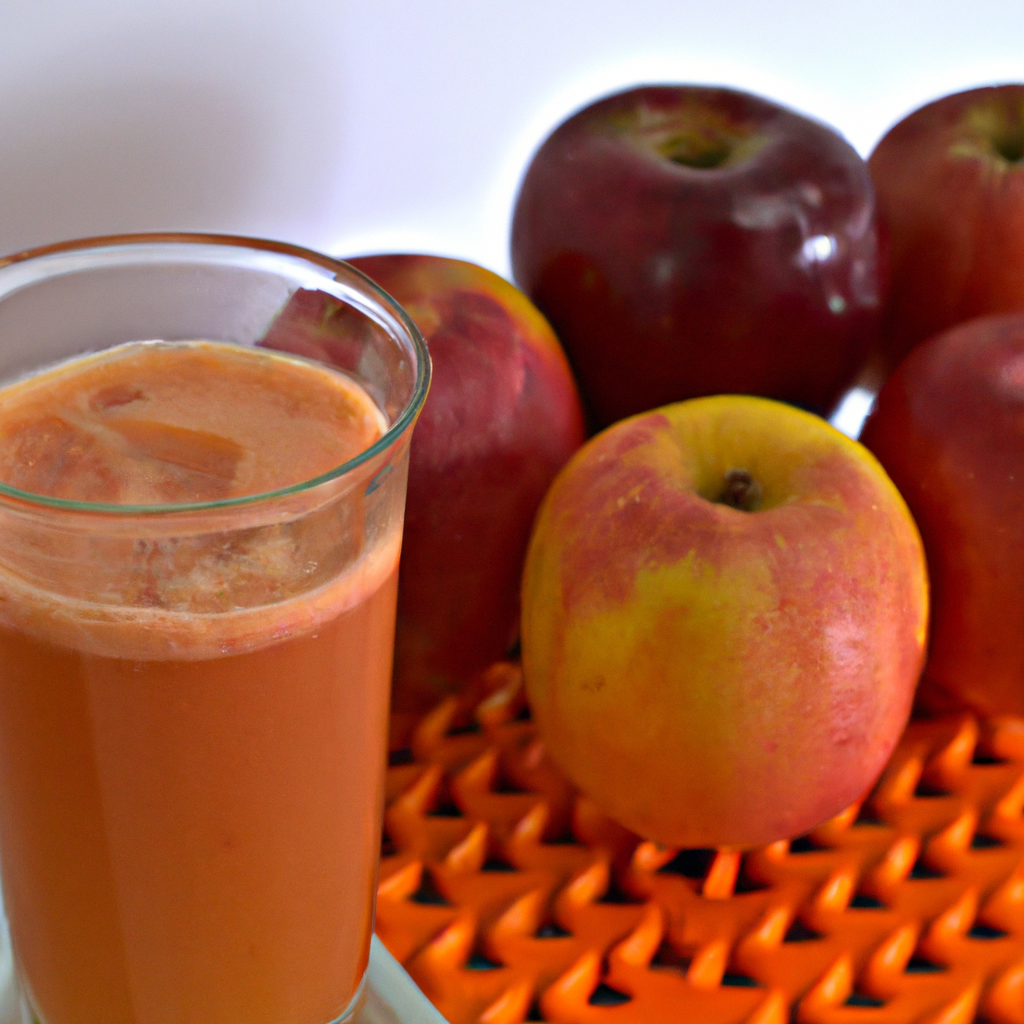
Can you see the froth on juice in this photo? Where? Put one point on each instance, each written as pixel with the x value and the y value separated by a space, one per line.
pixel 192 702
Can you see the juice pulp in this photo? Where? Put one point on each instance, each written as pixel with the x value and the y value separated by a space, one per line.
pixel 191 752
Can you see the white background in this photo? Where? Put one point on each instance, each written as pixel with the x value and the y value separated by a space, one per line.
pixel 402 125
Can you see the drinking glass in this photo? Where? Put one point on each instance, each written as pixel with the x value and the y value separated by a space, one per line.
pixel 194 695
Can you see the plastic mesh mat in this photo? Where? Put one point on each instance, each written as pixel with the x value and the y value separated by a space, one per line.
pixel 509 897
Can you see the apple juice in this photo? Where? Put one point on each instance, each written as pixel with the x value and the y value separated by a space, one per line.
pixel 193 720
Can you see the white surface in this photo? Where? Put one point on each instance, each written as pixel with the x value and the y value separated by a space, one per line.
pixel 405 124
pixel 391 996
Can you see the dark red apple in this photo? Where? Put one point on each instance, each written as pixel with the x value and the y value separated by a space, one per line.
pixel 687 240
pixel 949 181
pixel 502 416
pixel 948 426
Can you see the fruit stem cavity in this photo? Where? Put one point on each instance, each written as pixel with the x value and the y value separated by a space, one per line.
pixel 1010 145
pixel 741 491
pixel 702 152
pixel 995 129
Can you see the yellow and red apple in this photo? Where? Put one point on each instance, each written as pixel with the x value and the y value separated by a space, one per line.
pixel 724 619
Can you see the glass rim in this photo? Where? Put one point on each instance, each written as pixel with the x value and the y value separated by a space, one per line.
pixel 172 238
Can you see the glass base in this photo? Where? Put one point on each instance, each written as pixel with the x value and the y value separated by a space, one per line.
pixel 354 1003
pixel 347 1015
pixel 391 995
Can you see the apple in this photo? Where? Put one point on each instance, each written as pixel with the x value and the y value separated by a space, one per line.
pixel 687 240
pixel 949 181
pixel 502 417
pixel 724 618
pixel 948 426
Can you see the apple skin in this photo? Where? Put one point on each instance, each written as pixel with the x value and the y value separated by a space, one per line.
pixel 949 427
pixel 711 676
pixel 754 267
pixel 502 417
pixel 949 181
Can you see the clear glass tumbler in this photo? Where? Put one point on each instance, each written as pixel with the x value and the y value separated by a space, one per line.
pixel 194 694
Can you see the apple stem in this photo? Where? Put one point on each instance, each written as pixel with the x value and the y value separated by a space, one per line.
pixel 741 491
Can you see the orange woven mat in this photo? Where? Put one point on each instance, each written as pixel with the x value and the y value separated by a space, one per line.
pixel 508 897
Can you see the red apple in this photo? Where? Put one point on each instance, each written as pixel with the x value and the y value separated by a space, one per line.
pixel 502 416
pixel 724 616
pixel 949 181
pixel 949 427
pixel 685 241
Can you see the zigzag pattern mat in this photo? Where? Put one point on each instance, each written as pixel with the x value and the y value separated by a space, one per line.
pixel 509 897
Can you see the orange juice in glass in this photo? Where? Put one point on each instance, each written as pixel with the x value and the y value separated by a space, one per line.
pixel 199 542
